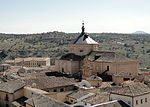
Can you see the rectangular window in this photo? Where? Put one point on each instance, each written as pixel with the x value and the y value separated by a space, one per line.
pixel 6 98
pixel 145 99
pixel 136 101
pixel 141 101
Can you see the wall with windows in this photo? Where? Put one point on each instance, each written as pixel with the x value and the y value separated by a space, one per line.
pixel 139 101
pixel 142 101
pixel 92 68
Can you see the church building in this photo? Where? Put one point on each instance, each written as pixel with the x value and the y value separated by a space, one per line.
pixel 84 56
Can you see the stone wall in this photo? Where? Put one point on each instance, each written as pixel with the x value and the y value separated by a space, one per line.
pixel 82 49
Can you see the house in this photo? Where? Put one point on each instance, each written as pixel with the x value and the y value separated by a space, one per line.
pixel 136 94
pixel 10 91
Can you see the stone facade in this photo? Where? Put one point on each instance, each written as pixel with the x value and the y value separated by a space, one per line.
pixel 69 67
pixel 82 49
pixel 92 68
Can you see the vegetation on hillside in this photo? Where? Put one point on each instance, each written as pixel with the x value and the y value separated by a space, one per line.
pixel 54 44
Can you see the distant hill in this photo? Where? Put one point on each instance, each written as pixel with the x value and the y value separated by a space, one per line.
pixel 140 32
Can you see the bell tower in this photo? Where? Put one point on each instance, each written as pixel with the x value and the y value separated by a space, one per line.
pixel 83 44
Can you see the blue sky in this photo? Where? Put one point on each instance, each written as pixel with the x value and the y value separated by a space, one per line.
pixel 35 16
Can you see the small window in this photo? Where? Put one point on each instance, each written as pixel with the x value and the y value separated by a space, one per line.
pixel 6 97
pixel 136 101
pixel 141 101
pixel 107 68
pixel 62 69
pixel 55 90
pixel 81 50
pixel 61 90
pixel 145 99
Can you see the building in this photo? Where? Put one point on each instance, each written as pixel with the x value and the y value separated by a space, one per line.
pixel 10 91
pixel 30 62
pixel 85 57
pixel 136 94
pixel 104 62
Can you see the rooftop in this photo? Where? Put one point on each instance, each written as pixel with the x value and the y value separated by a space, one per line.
pixel 44 101
pixel 48 82
pixel 78 94
pixel 11 86
pixel 28 59
pixel 32 58
pixel 72 56
pixel 93 77
pixel 97 98
pixel 106 56
pixel 117 103
pixel 135 89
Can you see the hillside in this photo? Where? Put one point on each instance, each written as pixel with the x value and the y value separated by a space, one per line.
pixel 54 44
